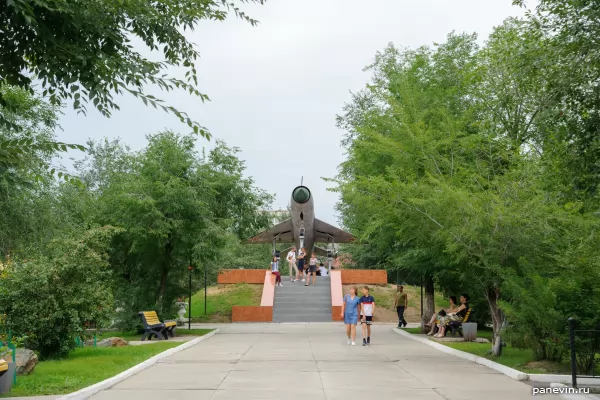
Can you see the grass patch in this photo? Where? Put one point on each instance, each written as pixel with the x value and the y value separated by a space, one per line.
pixel 520 359
pixel 82 368
pixel 133 335
pixel 414 331
pixel 220 300
pixel 485 333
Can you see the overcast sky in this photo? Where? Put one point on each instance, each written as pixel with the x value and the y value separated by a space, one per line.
pixel 277 87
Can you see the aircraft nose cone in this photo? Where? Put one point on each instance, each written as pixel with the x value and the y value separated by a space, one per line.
pixel 301 195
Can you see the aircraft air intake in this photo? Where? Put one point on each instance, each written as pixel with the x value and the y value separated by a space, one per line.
pixel 301 194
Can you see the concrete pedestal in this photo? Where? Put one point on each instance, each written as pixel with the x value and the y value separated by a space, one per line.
pixel 469 331
pixel 6 380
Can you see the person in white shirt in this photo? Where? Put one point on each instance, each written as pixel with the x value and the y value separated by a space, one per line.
pixel 323 270
pixel 291 258
pixel 312 269
pixel 275 271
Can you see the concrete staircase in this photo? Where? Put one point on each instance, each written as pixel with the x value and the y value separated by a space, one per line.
pixel 295 302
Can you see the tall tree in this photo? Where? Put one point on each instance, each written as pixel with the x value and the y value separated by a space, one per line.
pixel 571 62
pixel 176 209
pixel 84 52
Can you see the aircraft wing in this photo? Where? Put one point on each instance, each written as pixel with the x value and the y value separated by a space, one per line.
pixel 283 231
pixel 324 232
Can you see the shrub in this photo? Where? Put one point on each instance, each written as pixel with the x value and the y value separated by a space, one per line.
pixel 535 322
pixel 50 298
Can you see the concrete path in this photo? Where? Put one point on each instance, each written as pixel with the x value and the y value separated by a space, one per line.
pixel 299 361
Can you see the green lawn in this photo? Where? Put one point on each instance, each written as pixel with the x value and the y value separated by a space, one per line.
pixel 132 335
pixel 521 360
pixel 221 299
pixel 83 367
pixel 482 333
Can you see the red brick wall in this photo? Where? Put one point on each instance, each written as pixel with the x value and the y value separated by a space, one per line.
pixel 241 276
pixel 372 276
pixel 251 314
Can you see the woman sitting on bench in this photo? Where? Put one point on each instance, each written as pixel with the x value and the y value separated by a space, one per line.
pixel 458 316
pixel 435 319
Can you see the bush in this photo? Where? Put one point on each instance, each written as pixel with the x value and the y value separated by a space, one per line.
pixel 541 305
pixel 535 323
pixel 49 299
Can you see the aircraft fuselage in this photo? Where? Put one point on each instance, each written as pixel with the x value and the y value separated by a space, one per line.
pixel 303 216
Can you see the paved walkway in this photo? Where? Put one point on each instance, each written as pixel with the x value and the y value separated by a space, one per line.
pixel 299 361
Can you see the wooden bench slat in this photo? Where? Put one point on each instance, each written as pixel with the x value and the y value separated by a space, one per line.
pixel 154 327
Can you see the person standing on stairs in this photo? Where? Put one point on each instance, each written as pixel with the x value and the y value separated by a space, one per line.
pixel 350 308
pixel 291 258
pixel 301 255
pixel 275 271
pixel 312 269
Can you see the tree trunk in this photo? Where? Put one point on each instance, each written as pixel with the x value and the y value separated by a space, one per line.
pixel 429 306
pixel 166 265
pixel 498 320
pixel 163 285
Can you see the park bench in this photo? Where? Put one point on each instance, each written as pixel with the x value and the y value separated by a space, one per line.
pixel 3 367
pixel 153 326
pixel 456 326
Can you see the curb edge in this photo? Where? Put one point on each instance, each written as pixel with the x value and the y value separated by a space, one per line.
pixel 89 391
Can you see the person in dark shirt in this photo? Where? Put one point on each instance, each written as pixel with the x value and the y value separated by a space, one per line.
pixel 401 303
pixel 458 316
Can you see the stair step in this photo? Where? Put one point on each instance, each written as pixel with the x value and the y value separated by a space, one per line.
pixel 302 314
pixel 303 308
pixel 302 294
pixel 303 299
pixel 302 318
pixel 296 302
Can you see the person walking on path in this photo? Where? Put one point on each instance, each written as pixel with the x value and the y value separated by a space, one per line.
pixel 301 255
pixel 291 258
pixel 367 308
pixel 275 271
pixel 401 302
pixel 312 269
pixel 350 308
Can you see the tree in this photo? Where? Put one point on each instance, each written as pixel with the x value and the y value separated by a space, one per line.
pixel 83 51
pixel 571 63
pixel 31 147
pixel 49 299
pixel 441 179
pixel 416 97
pixel 176 209
pixel 26 188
